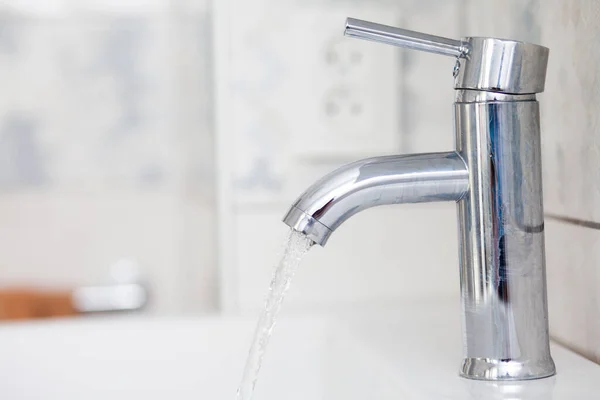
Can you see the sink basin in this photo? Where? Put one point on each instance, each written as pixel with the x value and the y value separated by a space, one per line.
pixel 102 358
pixel 409 351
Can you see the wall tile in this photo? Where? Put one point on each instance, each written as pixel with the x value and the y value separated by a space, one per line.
pixel 573 257
pixel 571 124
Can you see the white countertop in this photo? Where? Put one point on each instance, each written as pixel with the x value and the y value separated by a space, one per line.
pixel 405 352
pixel 421 344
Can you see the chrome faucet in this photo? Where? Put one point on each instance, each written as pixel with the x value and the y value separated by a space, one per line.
pixel 494 176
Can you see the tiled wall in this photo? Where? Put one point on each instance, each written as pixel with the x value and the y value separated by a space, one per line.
pixel 571 152
pixel 106 147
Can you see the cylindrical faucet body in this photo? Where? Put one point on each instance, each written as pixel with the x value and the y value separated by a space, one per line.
pixel 501 234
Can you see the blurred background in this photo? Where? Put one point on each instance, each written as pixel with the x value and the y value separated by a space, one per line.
pixel 154 145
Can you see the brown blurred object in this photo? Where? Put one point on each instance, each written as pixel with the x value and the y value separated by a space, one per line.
pixel 29 303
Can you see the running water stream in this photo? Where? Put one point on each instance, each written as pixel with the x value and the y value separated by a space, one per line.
pixel 297 246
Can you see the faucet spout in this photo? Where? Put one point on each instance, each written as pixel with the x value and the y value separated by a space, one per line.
pixel 377 181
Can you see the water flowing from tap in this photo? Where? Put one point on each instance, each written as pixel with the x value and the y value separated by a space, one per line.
pixel 297 246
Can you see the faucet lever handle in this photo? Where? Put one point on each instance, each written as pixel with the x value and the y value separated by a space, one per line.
pixel 490 64
pixel 357 28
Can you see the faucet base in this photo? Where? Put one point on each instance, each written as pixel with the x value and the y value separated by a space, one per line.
pixel 506 370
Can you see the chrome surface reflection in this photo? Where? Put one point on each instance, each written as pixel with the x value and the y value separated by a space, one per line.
pixel 501 225
pixel 374 182
pixel 494 176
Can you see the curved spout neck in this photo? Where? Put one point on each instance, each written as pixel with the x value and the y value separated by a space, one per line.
pixel 373 182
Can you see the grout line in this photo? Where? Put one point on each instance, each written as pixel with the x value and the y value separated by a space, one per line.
pixel 573 221
pixel 574 349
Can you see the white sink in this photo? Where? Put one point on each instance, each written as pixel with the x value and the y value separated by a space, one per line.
pixel 180 359
pixel 408 352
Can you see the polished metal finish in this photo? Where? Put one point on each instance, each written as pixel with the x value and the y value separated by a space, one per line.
pixel 477 96
pixel 501 225
pixel 491 64
pixel 495 178
pixel 404 38
pixel 375 182
pixel 506 66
